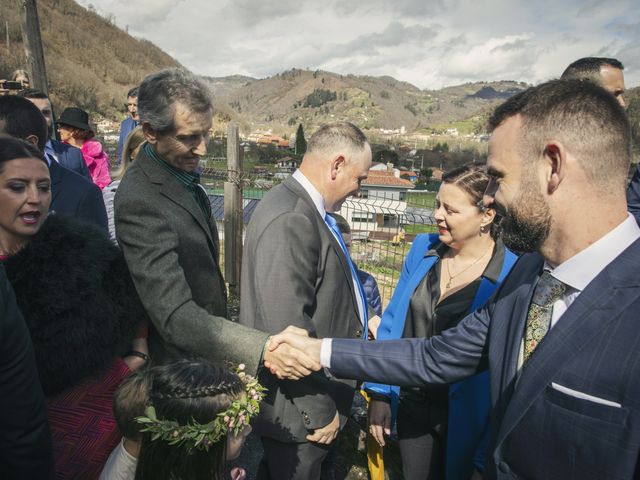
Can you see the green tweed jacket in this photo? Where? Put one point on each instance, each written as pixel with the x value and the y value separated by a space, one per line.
pixel 172 252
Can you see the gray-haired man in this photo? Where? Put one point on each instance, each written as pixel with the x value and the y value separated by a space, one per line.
pixel 168 236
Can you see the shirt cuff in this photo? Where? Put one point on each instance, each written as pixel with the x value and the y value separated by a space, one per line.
pixel 325 353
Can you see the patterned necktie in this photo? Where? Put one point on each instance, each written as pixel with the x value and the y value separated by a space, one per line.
pixel 333 225
pixel 548 291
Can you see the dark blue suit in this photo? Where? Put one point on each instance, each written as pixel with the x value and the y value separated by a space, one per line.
pixel 76 197
pixel 633 194
pixel 126 127
pixel 538 431
pixel 70 157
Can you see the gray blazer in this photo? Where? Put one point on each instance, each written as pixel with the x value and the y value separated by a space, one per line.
pixel 294 272
pixel 574 411
pixel 172 252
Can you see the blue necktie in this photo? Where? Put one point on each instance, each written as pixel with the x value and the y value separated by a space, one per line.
pixel 333 225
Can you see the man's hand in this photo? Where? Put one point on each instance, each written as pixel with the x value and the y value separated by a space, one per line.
pixel 285 359
pixel 373 324
pixel 326 434
pixel 379 420
pixel 296 364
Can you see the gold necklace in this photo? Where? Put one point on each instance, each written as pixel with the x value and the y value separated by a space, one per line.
pixel 451 277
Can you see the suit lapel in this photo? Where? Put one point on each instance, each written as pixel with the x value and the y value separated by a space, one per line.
pixel 293 185
pixel 174 191
pixel 597 305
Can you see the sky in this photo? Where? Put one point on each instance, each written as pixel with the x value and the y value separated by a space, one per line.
pixel 429 43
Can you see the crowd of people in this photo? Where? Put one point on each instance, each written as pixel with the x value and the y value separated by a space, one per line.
pixel 509 348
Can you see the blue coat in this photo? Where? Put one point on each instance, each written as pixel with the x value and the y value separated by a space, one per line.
pixel 126 127
pixel 469 403
pixel 76 197
pixel 70 157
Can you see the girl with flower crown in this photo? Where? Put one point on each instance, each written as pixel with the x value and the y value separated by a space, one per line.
pixel 197 421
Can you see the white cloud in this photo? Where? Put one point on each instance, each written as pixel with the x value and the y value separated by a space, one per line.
pixel 430 43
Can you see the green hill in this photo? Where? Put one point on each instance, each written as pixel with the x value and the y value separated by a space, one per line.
pixel 90 62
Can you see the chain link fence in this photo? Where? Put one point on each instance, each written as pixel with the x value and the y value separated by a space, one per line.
pixel 382 225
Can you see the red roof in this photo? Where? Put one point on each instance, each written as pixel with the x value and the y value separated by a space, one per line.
pixel 386 179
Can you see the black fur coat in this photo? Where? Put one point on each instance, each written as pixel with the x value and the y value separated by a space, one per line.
pixel 77 297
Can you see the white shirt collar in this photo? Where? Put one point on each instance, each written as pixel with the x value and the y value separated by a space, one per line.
pixel 579 270
pixel 316 196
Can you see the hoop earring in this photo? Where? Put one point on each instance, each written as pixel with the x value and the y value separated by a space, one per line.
pixel 484 228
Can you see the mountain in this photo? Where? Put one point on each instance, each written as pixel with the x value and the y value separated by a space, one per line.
pixel 282 101
pixel 91 63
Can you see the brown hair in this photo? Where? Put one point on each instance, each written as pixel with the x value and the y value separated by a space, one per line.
pixel 133 141
pixel 130 401
pixel 473 180
pixel 585 117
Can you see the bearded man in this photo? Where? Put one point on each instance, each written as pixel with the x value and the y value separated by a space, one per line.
pixel 561 337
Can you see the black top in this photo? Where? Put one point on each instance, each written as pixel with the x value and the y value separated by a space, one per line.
pixel 426 318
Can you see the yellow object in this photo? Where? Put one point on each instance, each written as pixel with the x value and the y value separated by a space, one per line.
pixel 398 238
pixel 375 458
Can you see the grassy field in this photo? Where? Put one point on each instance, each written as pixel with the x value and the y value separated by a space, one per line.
pixel 422 199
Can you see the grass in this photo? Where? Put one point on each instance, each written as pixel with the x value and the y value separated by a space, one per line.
pixel 422 200
pixel 416 229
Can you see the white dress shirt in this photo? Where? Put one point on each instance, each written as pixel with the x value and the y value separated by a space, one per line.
pixel 576 272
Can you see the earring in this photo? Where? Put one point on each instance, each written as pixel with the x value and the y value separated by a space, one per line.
pixel 484 228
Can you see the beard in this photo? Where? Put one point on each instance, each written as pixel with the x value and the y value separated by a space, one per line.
pixel 526 223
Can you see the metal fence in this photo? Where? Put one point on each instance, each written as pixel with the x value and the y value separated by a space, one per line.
pixel 382 226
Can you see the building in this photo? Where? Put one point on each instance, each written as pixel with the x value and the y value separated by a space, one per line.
pixel 382 203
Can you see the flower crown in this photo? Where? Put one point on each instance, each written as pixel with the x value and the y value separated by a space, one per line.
pixel 199 436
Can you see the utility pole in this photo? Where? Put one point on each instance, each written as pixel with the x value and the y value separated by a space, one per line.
pixel 33 45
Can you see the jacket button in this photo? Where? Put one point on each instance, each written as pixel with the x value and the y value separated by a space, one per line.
pixel 504 467
pixel 358 333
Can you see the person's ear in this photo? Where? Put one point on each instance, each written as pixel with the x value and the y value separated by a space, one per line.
pixel 555 157
pixel 488 216
pixel 337 164
pixel 149 133
pixel 33 140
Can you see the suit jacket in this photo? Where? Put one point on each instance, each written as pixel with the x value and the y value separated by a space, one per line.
pixel 126 127
pixel 575 411
pixel 172 251
pixel 633 194
pixel 76 197
pixel 71 158
pixel 294 272
pixel 25 441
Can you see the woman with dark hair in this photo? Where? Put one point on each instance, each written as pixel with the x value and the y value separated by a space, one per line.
pixel 442 431
pixel 74 129
pixel 79 303
pixel 197 421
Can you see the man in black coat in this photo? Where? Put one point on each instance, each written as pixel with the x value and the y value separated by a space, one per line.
pixel 71 195
pixel 25 441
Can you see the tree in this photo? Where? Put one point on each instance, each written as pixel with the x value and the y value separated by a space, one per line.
pixel 301 143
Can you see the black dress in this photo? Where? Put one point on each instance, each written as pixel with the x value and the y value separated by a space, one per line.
pixel 422 412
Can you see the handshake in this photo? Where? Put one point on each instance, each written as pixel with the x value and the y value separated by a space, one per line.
pixel 292 354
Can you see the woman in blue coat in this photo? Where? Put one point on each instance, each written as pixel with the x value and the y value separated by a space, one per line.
pixel 443 431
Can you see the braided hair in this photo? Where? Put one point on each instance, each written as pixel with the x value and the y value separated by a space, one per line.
pixel 184 391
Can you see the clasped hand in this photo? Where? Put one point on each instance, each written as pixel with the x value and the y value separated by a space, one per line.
pixel 292 354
